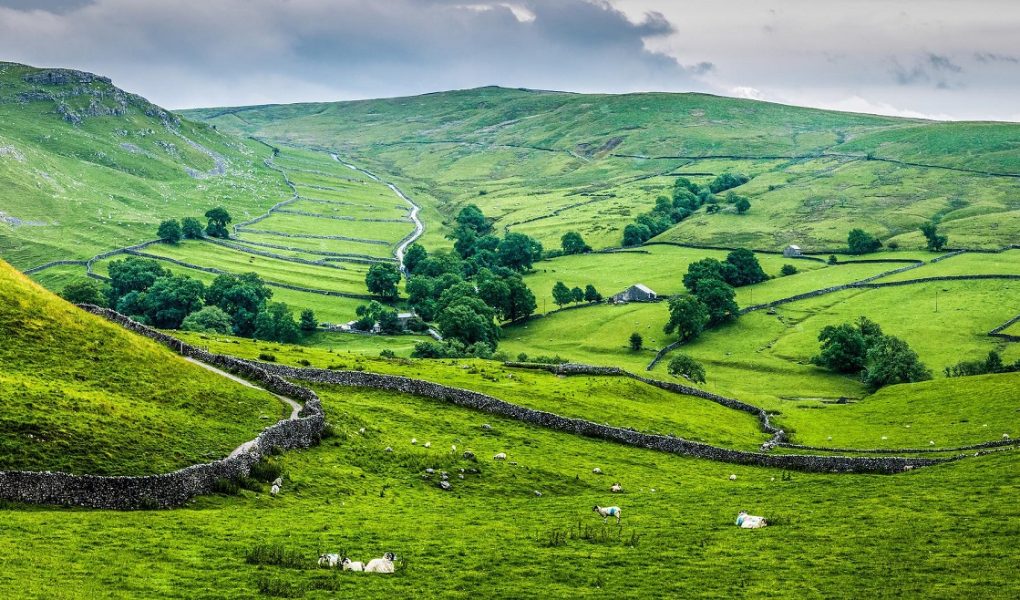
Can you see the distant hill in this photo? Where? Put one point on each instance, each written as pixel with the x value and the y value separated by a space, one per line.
pixel 547 162
pixel 87 167
pixel 81 395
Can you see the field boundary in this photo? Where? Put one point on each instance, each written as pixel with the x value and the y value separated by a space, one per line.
pixel 167 490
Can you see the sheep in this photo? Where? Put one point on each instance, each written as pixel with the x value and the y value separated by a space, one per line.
pixel 746 521
pixel 278 481
pixel 389 448
pixel 381 565
pixel 733 477
pixel 931 442
pixel 414 441
pixel 453 447
pixel 597 471
pixel 538 494
pixel 428 444
pixel 608 511
pixel 486 426
pixel 274 490
pixel 351 565
pixel 616 488
pixel 1005 436
pixel 362 431
pixel 328 560
pixel 500 456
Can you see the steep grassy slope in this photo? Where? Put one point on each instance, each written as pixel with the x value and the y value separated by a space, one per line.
pixel 550 162
pixel 87 167
pixel 78 394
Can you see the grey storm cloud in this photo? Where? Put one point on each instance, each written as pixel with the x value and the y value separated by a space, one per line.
pixel 188 52
pixel 931 69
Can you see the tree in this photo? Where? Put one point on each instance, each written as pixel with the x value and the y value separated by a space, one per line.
pixel 636 341
pixel 415 254
pixel 935 241
pixel 788 269
pixel 469 321
pixel 208 319
pixel 133 274
pixel 472 217
pixel 832 259
pixel 218 220
pixel 746 269
pixel 276 324
pixel 591 294
pixel 518 251
pixel 635 235
pixel 389 322
pixel 843 349
pixel 308 323
pixel 132 304
pixel 573 243
pixel 687 316
pixel 859 241
pixel 727 181
pixel 171 299
pixel 704 269
pixel 382 280
pixel 170 231
pixel 577 295
pixel 685 366
pixel 743 205
pixel 682 183
pixel 718 298
pixel 891 361
pixel 85 291
pixel 561 294
pixel 191 228
pixel 242 297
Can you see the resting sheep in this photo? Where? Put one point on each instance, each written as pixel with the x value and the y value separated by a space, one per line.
pixel 349 565
pixel 608 511
pixel 381 565
pixel 616 488
pixel 746 521
pixel 329 560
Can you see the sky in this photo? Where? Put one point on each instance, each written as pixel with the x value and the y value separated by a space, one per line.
pixel 940 59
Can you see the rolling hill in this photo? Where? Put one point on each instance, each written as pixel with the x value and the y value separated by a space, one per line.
pixel 81 395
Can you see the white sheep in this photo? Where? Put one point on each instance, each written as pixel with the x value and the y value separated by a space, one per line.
pixel 278 481
pixel 329 560
pixel 414 441
pixel 500 456
pixel 597 471
pixel 746 521
pixel 608 511
pixel 361 431
pixel 381 565
pixel 351 565
pixel 1005 436
pixel 274 490
pixel 616 488
pixel 453 447
pixel 428 444
pixel 733 477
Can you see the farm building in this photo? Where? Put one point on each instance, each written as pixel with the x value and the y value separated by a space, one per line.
pixel 791 251
pixel 636 293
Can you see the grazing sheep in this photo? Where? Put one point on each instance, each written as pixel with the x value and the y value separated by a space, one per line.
pixel 486 426
pixel 733 477
pixel 538 493
pixel 931 442
pixel 428 444
pixel 500 456
pixel 278 481
pixel 329 560
pixel 274 490
pixel 453 448
pixel 414 441
pixel 908 468
pixel 381 565
pixel 362 430
pixel 608 511
pixel 444 484
pixel 746 521
pixel 389 448
pixel 616 488
pixel 597 471
pixel 469 455
pixel 1005 436
pixel 350 565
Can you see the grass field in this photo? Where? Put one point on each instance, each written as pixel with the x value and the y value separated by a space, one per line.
pixel 80 395
pixel 832 533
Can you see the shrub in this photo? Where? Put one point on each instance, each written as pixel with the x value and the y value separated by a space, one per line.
pixel 273 554
pixel 225 486
pixel 266 470
pixel 636 341
pixel 387 353
pixel 170 231
pixel 267 357
pixel 788 270
pixel 862 242
pixel 685 366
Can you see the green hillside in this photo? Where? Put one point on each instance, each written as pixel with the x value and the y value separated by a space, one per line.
pixel 546 162
pixel 87 167
pixel 81 395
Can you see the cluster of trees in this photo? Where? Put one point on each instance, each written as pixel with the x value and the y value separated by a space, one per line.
pixel 373 313
pixel 466 291
pixel 859 241
pixel 238 304
pixel 573 243
pixel 992 364
pixel 563 295
pixel 861 348
pixel 687 198
pixel 173 231
pixel 712 296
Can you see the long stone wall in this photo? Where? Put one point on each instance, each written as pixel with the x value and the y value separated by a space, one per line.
pixel 167 490
pixel 674 445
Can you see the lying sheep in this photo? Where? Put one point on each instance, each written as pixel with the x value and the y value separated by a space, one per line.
pixel 746 521
pixel 616 488
pixel 381 565
pixel 608 511
pixel 329 560
pixel 500 456
pixel 349 565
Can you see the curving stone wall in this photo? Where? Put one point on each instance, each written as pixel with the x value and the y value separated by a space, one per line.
pixel 167 490
pixel 485 403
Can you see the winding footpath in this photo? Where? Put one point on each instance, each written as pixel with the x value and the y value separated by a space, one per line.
pixel 419 227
